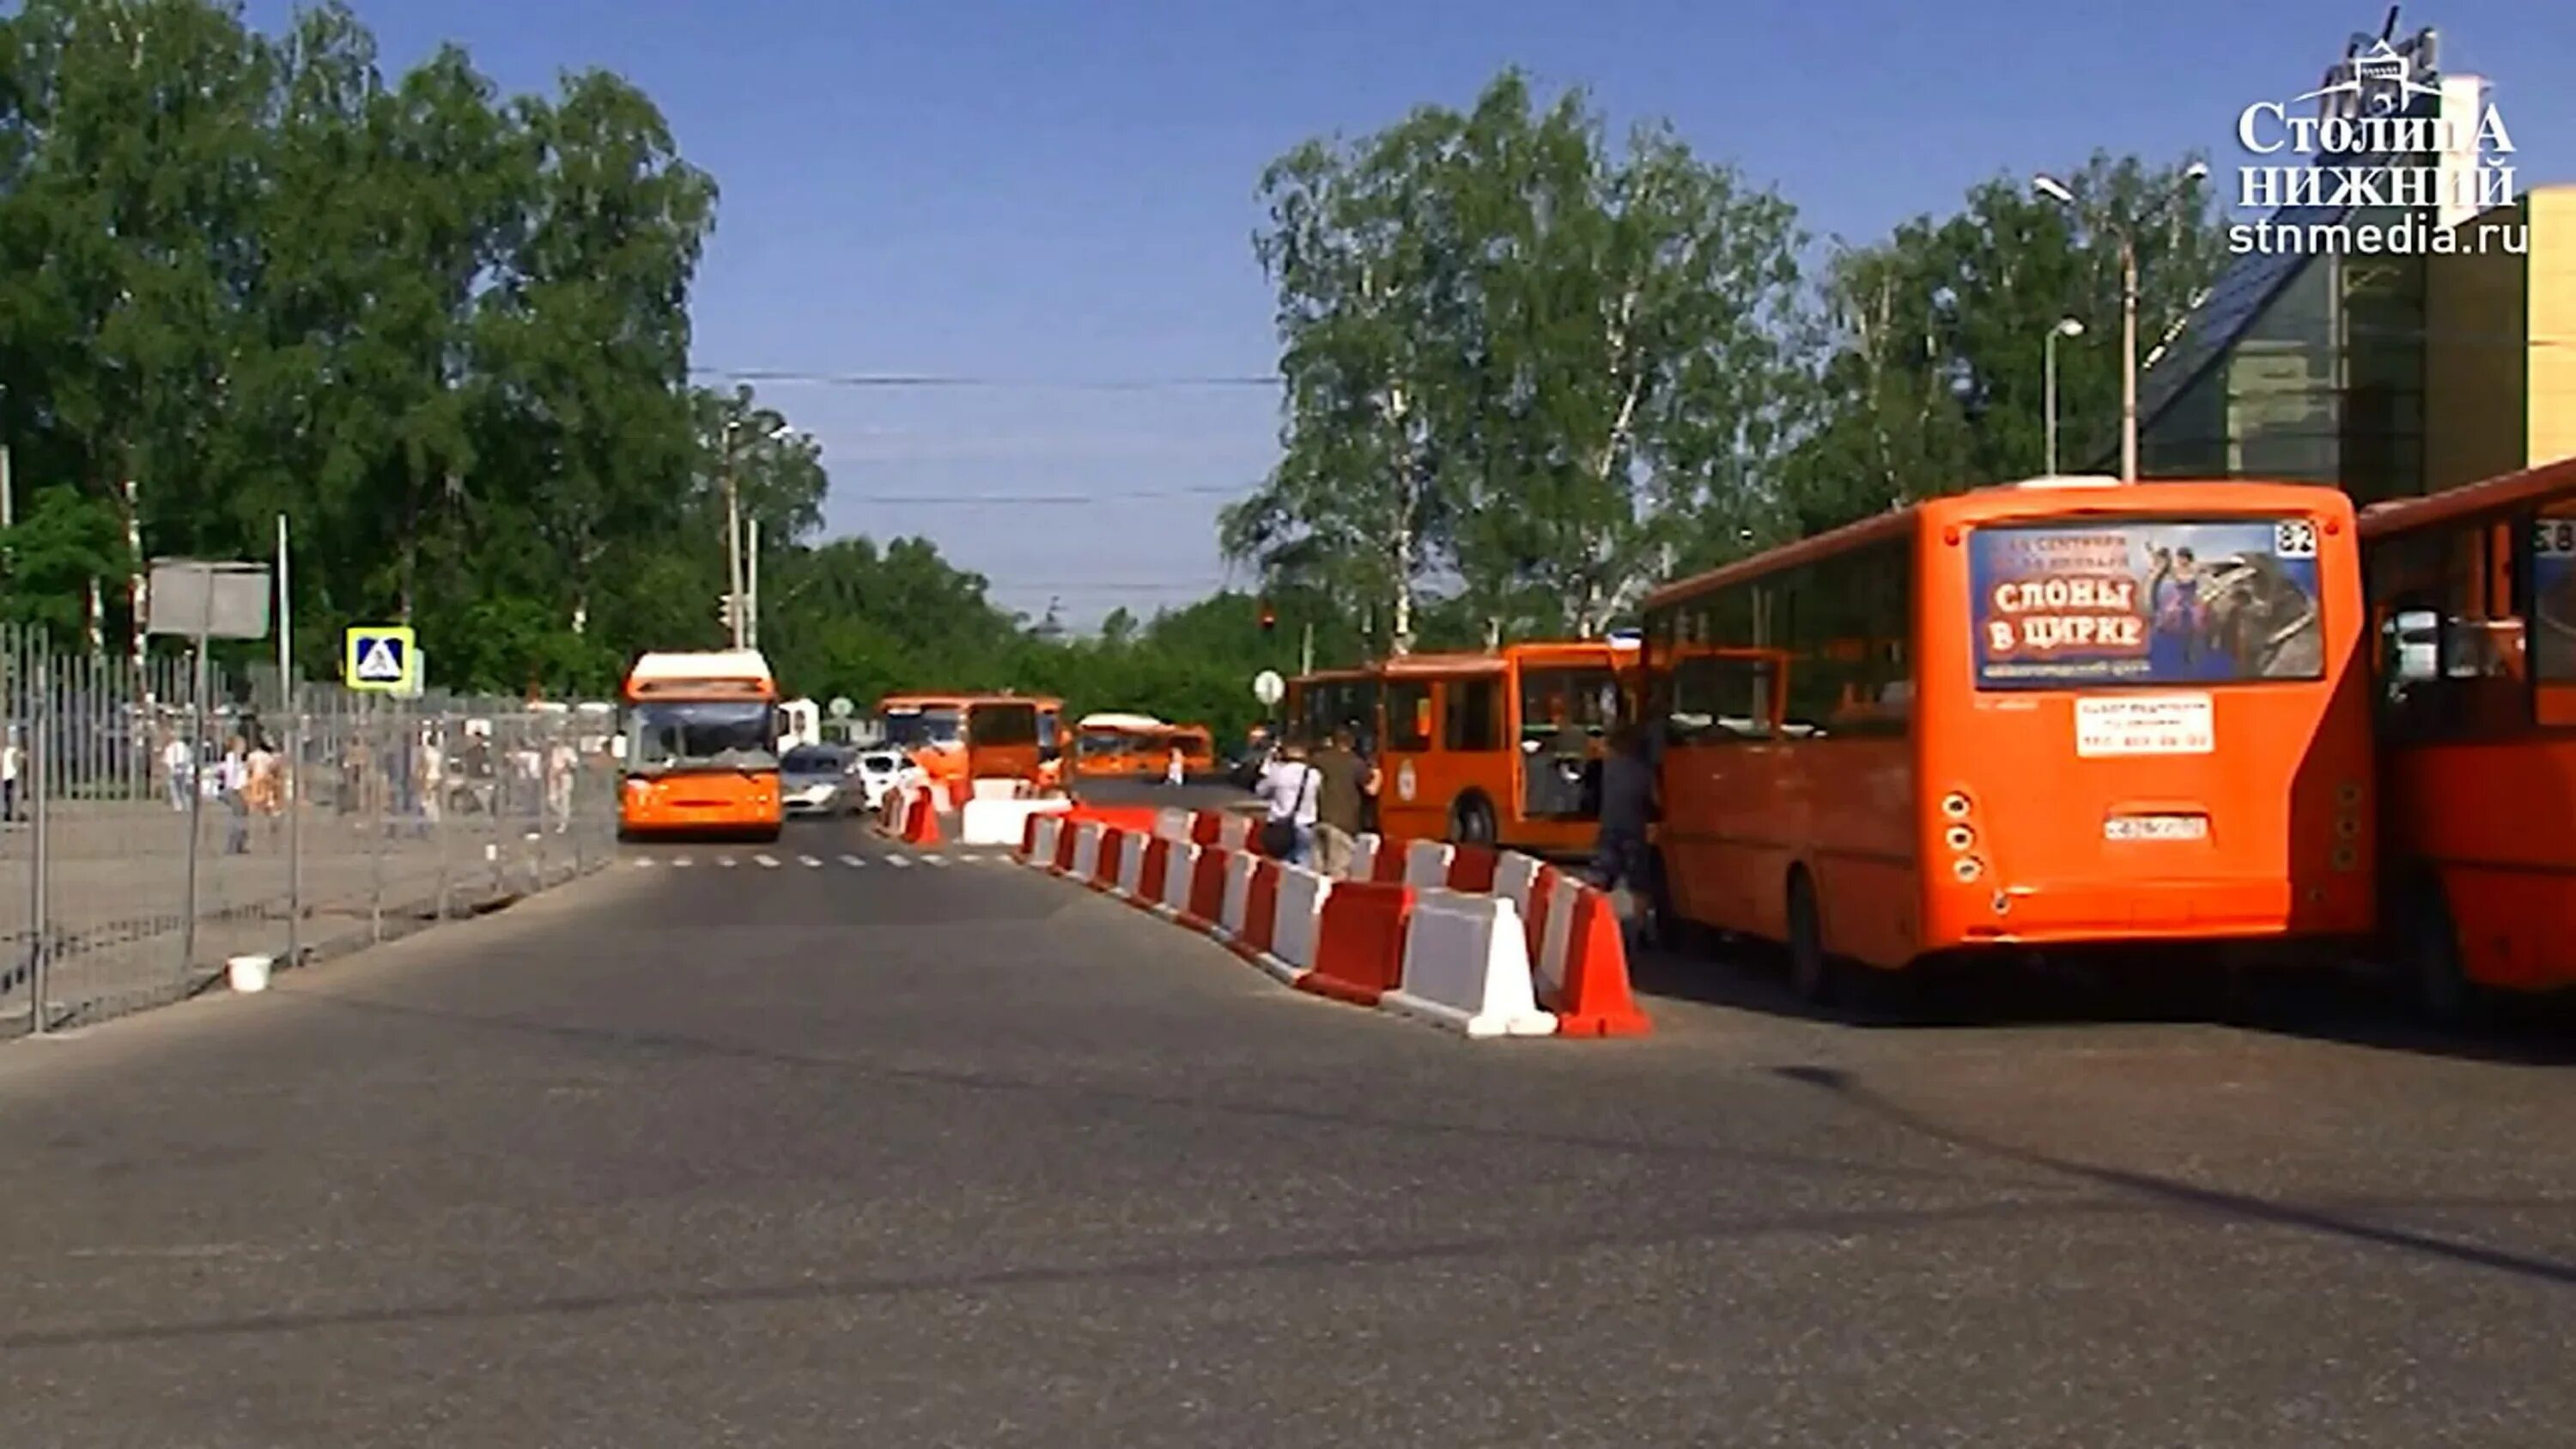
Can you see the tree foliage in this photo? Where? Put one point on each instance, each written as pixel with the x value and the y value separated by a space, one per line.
pixel 1515 354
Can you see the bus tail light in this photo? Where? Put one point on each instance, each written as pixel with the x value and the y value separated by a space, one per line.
pixel 1955 805
pixel 1959 837
pixel 1967 868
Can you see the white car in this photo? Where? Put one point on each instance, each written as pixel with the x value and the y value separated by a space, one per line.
pixel 875 774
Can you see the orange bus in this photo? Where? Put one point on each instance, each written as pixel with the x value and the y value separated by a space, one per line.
pixel 2473 599
pixel 1116 746
pixel 2034 717
pixel 1197 745
pixel 1501 748
pixel 701 745
pixel 958 738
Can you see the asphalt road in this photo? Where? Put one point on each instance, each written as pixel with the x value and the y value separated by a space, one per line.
pixel 817 1148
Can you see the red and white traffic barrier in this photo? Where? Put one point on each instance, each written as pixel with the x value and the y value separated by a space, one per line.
pixel 1485 943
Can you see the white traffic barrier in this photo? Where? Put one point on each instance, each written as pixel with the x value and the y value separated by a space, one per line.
pixel 1467 967
pixel 1178 867
pixel 1515 876
pixel 1234 832
pixel 1301 907
pixel 1426 864
pixel 1172 824
pixel 1239 865
pixel 1086 850
pixel 1131 866
pixel 1002 789
pixel 1042 845
pixel 1364 849
pixel 1549 968
pixel 1003 822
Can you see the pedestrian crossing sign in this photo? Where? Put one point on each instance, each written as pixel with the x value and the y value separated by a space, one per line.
pixel 379 657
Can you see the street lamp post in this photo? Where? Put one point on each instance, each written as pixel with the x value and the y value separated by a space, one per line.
pixel 2056 190
pixel 2066 327
pixel 733 540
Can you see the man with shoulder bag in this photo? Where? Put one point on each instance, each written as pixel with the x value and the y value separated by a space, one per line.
pixel 1289 788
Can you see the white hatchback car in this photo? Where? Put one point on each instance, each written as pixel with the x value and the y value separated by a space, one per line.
pixel 875 774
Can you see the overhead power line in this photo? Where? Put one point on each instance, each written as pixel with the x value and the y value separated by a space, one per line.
pixel 969 380
pixel 1016 500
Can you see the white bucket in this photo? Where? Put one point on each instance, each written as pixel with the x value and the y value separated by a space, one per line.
pixel 249 973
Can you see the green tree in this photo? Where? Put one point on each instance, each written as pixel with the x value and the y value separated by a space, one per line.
pixel 1930 376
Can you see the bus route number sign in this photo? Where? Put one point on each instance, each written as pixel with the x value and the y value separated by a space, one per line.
pixel 2108 726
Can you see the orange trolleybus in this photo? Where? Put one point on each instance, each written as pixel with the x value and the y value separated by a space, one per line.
pixel 701 745
pixel 2045 715
pixel 2473 594
pixel 1501 748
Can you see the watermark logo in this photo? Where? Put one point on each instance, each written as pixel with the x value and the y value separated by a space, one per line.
pixel 2384 138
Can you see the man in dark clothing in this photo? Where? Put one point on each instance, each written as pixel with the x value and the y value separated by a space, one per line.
pixel 1339 802
pixel 1621 858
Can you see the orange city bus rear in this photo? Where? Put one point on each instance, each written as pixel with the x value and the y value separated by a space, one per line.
pixel 2062 713
pixel 702 745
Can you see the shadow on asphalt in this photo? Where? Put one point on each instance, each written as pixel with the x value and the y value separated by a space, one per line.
pixel 2342 1007
pixel 1846 1088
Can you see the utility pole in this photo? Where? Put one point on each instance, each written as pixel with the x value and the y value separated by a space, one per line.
pixel 751 586
pixel 733 541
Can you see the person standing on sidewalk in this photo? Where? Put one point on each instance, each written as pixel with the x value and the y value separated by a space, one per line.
pixel 233 778
pixel 1289 788
pixel 13 763
pixel 1340 800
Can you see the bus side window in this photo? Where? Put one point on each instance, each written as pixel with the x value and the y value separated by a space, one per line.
pixel 1474 721
pixel 1408 716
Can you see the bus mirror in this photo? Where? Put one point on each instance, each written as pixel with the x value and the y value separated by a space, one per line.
pixel 2412 651
pixel 617 746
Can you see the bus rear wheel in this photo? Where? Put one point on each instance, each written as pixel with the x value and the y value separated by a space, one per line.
pixel 1471 821
pixel 1811 972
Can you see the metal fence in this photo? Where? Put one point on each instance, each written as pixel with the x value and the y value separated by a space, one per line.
pixel 144 841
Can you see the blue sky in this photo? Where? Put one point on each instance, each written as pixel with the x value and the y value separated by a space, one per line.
pixel 1064 193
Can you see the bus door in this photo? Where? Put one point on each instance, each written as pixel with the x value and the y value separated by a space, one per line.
pixel 1449 766
pixel 1565 712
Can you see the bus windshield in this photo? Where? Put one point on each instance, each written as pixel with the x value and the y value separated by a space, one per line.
pixel 728 734
pixel 2145 602
pixel 1096 744
pixel 910 729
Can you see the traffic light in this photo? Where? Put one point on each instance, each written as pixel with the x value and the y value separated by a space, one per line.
pixel 724 613
pixel 1269 617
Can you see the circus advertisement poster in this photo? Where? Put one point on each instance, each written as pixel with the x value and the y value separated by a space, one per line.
pixel 2146 603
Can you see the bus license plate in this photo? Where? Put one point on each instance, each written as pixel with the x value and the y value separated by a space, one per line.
pixel 2156 827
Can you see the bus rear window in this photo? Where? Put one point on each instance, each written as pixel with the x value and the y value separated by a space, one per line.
pixel 2140 602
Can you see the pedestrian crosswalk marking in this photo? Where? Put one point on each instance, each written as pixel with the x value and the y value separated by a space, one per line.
pixel 681 861
pixel 767 862
pixel 936 859
pixel 807 860
pixel 725 860
pixel 852 861
pixel 899 860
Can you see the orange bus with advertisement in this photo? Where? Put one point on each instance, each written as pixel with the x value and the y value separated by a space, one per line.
pixel 1500 748
pixel 2043 716
pixel 2473 603
pixel 701 745
pixel 960 738
pixel 1109 745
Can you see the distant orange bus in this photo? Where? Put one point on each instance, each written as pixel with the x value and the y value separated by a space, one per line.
pixel 2042 716
pixel 701 745
pixel 2473 599
pixel 1501 748
pixel 1115 746
pixel 958 738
